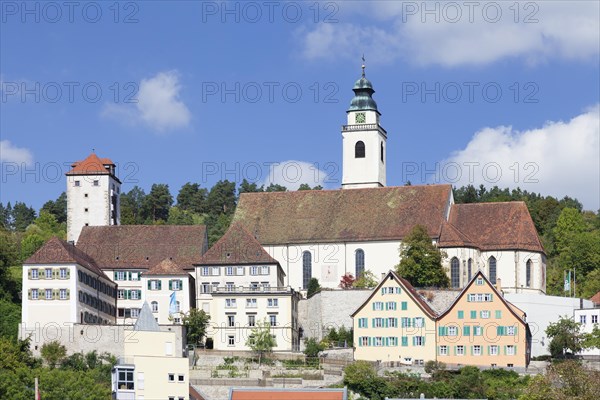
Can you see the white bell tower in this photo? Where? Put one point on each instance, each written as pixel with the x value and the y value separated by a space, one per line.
pixel 364 140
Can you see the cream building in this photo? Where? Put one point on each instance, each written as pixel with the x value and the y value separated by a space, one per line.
pixel 588 318
pixel 152 367
pixel 93 195
pixel 481 328
pixel 326 234
pixel 394 325
pixel 240 285
pixel 62 286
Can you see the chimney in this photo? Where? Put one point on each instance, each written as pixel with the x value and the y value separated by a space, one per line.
pixel 498 285
pixel 383 274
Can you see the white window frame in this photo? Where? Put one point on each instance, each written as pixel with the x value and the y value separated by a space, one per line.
pixel 493 350
pixel 485 314
pixel 251 320
pixel 510 350
pixel 443 350
pixel 378 342
pixel 240 271
pixel 176 284
pixel 452 330
pixel 264 270
pixel 594 319
pixel 153 308
pixel 230 340
pixel 510 331
pixel 135 312
pixel 215 271
pixel 364 341
pixel 254 270
pixel 48 291
pixel 205 271
pixel 63 273
pixel 230 303
pixel 134 295
pixel 273 303
pixel 35 273
pixel 251 303
pixel 377 322
pixel 273 319
pixel 46 274
pixel 121 276
pixel 460 350
pixel 63 294
pixel 35 294
pixel 229 271
pixel 378 306
pixel 477 350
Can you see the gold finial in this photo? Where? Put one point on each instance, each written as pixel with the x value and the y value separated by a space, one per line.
pixel 363 66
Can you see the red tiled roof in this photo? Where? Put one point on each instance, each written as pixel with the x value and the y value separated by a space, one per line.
pixel 236 246
pixel 495 226
pixel 91 165
pixel 596 298
pixel 452 237
pixel 320 216
pixel 166 267
pixel 143 246
pixel 288 394
pixel 407 287
pixel 58 251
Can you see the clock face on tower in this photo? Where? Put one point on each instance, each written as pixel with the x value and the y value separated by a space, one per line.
pixel 360 118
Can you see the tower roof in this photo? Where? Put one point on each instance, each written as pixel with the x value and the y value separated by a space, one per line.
pixel 363 92
pixel 92 165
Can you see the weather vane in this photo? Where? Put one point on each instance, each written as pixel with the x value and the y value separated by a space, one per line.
pixel 363 65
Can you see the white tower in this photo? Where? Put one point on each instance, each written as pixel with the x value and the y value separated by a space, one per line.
pixel 93 192
pixel 364 140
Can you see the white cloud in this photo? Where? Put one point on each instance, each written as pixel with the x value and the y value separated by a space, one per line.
pixel 459 35
pixel 292 174
pixel 158 104
pixel 558 159
pixel 14 154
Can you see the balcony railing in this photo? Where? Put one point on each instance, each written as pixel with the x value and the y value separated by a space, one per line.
pixel 363 127
pixel 250 289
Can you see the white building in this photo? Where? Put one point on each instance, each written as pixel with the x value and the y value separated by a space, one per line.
pixel 328 233
pixel 152 366
pixel 62 286
pixel 239 285
pixel 93 195
pixel 588 318
pixel 168 289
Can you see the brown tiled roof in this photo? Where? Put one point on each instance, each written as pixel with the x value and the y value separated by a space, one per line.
pixel 596 298
pixel 58 251
pixel 288 394
pixel 236 246
pixel 166 267
pixel 452 237
pixel 407 287
pixel 91 165
pixel 317 216
pixel 143 246
pixel 495 226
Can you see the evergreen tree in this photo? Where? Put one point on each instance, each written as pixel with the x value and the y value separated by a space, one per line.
pixel 313 287
pixel 247 187
pixel 192 198
pixel 157 204
pixel 132 203
pixel 274 187
pixel 221 198
pixel 22 216
pixel 421 261
pixel 57 208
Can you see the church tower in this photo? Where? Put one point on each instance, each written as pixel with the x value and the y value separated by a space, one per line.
pixel 93 192
pixel 364 140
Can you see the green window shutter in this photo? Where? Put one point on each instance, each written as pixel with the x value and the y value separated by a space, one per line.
pixel 29 273
pixel 498 314
pixel 404 341
pixel 68 294
pixel 489 352
pixel 55 294
pixel 441 331
pixel 491 297
pixel 68 273
pixel 461 314
pixel 359 342
pixel 423 340
pixel 499 331
pixel 129 275
pixel 139 294
pixel 128 294
pixel 29 294
pixel 373 306
pixel 473 314
pixel 170 284
pixel 504 349
pixel 369 340
pixel 515 349
pixel 115 275
pixel 180 283
pixel 404 305
pixel 516 332
pixel 149 284
pixel 466 330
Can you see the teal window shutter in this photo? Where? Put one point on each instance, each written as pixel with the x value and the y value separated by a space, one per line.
pixel 129 275
pixel 473 314
pixel 423 339
pixel 159 285
pixel 360 341
pixel 461 314
pixel 516 327
pixel 369 340
pixel 499 331
pixel 115 275
pixel 149 282
pixel 170 284
pixel 404 341
pixel 466 330
pixel 404 305
pixel 498 314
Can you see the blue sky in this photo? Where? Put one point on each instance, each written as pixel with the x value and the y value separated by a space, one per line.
pixel 493 94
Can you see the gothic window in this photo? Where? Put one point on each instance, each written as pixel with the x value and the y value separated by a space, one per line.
pixel 360 262
pixel 306 268
pixel 470 268
pixel 492 269
pixel 528 273
pixel 455 272
pixel 359 149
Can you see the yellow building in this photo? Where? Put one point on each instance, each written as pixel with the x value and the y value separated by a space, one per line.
pixel 482 328
pixel 394 325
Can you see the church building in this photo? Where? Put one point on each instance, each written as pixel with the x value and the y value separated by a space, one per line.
pixel 328 233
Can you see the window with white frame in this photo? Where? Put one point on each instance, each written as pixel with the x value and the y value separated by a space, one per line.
pixel 264 270
pixel 176 284
pixel 487 297
pixel 477 350
pixel 477 330
pixel 510 350
pixel 230 340
pixel 418 340
pixel 177 306
pixel 135 312
pixel 120 276
pixel 583 319
pixel 48 273
pixel 273 319
pixel 63 294
pixel 231 320
pixel 251 320
pixel 229 271
pixel 510 331
pixel 177 320
pixel 390 305
pixel 392 322
pixel 154 306
pixel 364 341
pixel 251 303
pixel 230 303
pixel 120 294
pixel 378 306
pixel 124 378
pixel 229 286
pixel 35 273
pixel 135 276
pixel 460 350
pixel 378 341
pixel 392 341
pixel 493 350
pixel 215 271
pixel 205 271
pixel 377 322
pixel 205 287
pixel 363 322
pixel 419 322
pixel 34 294
pixel 479 281
pixel 240 270
pixel 48 294
pixel 443 350
pixel 154 284
pixel 272 302
pixel 135 294
pixel 452 331
pixel 265 285
pixel 254 270
pixel 485 314
pixel 63 273
pixel 180 378
pixel 171 377
pixel 479 297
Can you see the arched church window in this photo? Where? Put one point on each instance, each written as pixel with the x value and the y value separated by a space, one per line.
pixel 470 268
pixel 492 269
pixel 306 268
pixel 359 149
pixel 382 152
pixel 528 273
pixel 455 272
pixel 359 257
